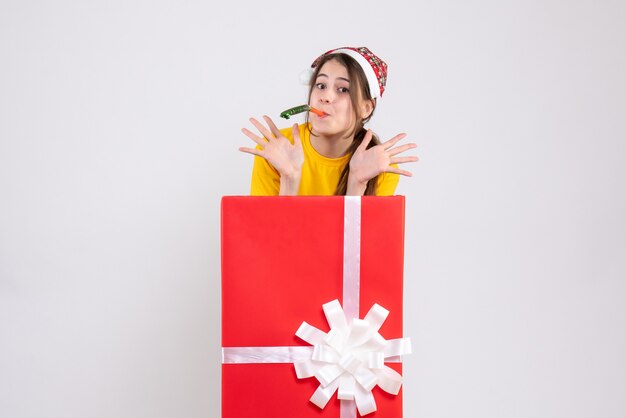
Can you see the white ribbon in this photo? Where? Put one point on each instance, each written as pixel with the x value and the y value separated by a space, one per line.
pixel 242 355
pixel 350 358
pixel 351 255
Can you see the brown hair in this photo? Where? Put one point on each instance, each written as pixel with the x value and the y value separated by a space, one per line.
pixel 361 92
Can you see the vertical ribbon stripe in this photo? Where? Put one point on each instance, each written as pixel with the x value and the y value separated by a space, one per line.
pixel 351 256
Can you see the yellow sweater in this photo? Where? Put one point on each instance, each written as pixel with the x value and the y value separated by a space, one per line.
pixel 320 174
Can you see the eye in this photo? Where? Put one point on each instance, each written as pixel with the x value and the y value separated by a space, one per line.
pixel 343 90
pixel 320 86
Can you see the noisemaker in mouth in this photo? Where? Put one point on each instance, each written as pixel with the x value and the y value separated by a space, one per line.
pixel 299 109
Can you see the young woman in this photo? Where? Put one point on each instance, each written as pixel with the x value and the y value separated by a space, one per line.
pixel 332 153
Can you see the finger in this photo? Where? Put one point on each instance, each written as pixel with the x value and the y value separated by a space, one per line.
pixel 366 140
pixel 296 135
pixel 400 160
pixel 261 141
pixel 395 170
pixel 272 126
pixel 267 134
pixel 252 151
pixel 401 148
pixel 390 143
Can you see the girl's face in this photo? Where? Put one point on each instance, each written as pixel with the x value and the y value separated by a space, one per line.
pixel 331 94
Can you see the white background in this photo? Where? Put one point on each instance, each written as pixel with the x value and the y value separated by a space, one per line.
pixel 119 128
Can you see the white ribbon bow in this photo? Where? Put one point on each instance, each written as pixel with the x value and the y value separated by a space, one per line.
pixel 350 357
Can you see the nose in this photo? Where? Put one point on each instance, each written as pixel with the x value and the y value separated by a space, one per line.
pixel 327 96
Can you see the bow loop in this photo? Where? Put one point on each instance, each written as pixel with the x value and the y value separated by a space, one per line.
pixel 350 358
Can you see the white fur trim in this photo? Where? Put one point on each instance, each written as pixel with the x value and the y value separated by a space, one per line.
pixel 372 81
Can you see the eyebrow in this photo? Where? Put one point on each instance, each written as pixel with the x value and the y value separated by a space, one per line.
pixel 340 78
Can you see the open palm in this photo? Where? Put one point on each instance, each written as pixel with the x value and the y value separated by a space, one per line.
pixel 285 157
pixel 366 164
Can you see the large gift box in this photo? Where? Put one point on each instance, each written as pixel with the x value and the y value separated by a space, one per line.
pixel 312 306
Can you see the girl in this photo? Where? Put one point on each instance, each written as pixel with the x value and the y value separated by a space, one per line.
pixel 332 153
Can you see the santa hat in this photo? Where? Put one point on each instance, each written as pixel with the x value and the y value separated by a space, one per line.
pixel 374 68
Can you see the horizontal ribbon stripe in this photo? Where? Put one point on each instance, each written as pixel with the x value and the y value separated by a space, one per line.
pixel 286 354
pixel 247 355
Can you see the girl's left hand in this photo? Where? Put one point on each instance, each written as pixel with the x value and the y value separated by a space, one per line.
pixel 366 164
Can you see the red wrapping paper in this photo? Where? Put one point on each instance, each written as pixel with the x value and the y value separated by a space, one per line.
pixel 282 259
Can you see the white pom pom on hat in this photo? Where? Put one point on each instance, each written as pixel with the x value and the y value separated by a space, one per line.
pixel 305 76
pixel 374 68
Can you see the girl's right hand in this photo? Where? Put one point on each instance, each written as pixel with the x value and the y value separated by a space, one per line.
pixel 285 157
